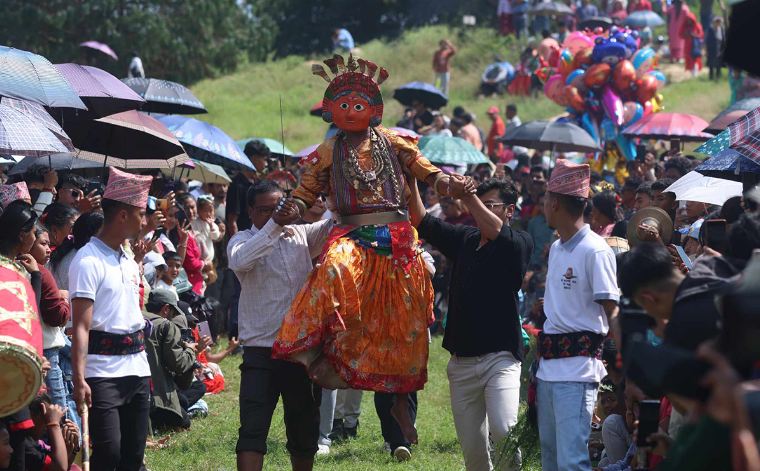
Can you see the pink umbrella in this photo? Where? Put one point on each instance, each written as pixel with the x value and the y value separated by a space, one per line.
pixel 685 127
pixel 102 47
pixel 404 132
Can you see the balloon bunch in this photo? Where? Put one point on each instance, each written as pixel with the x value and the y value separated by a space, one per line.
pixel 606 82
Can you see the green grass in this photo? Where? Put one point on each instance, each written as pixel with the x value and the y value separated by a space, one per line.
pixel 247 103
pixel 210 443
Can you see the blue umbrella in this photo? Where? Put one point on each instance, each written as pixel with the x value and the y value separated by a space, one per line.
pixel 422 92
pixel 31 77
pixel 205 142
pixel 728 165
pixel 450 150
pixel 642 19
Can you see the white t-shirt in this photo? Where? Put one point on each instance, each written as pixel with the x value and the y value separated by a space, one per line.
pixel 112 281
pixel 582 272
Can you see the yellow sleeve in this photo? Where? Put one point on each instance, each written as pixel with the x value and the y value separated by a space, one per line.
pixel 411 157
pixel 315 179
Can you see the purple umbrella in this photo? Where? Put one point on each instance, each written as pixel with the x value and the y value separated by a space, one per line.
pixel 306 151
pixel 103 93
pixel 104 48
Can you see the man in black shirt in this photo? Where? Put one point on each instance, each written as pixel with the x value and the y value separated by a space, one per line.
pixel 483 332
pixel 237 195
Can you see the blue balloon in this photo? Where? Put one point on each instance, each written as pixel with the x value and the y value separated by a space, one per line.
pixel 627 147
pixel 636 116
pixel 590 125
pixel 609 131
pixel 574 75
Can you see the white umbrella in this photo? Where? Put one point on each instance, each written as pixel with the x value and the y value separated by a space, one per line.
pixel 204 172
pixel 696 187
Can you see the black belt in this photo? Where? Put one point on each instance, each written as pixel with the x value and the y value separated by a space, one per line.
pixel 570 344
pixel 106 343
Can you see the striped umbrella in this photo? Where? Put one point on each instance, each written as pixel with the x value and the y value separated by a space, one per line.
pixel 23 134
pixel 745 135
pixel 31 77
pixel 682 126
pixel 103 93
pixel 728 165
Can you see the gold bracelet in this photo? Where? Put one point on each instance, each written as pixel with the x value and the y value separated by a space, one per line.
pixel 53 425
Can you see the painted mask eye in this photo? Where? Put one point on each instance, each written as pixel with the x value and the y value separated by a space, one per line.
pixel 344 106
pixel 359 107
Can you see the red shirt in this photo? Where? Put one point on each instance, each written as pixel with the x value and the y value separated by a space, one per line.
pixel 54 310
pixel 193 265
pixel 642 5
pixel 441 60
pixel 498 128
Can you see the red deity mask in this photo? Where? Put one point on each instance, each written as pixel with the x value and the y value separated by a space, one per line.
pixel 352 113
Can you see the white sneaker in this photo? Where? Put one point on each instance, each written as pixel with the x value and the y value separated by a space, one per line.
pixel 402 453
pixel 323 450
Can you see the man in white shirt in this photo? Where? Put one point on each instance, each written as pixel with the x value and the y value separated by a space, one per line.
pixel 111 369
pixel 272 261
pixel 135 67
pixel 580 303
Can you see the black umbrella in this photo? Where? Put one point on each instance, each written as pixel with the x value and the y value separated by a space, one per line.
pixel 62 161
pixel 163 96
pixel 559 136
pixel 595 22
pixel 422 92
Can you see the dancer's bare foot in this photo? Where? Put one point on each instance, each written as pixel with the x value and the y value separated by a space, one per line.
pixel 322 373
pixel 400 412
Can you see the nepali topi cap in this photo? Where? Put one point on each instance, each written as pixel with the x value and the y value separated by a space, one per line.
pixel 570 179
pixel 128 188
pixel 13 192
pixel 493 110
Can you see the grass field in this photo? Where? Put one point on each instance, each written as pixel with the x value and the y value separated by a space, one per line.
pixel 247 104
pixel 210 443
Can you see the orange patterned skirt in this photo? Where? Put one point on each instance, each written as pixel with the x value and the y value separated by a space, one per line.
pixel 366 315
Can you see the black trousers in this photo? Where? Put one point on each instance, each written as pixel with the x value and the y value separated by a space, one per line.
pixel 388 425
pixel 262 382
pixel 118 422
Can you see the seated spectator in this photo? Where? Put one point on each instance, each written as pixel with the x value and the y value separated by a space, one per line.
pixel 615 434
pixel 691 241
pixel 53 442
pixel 172 362
pixel 168 272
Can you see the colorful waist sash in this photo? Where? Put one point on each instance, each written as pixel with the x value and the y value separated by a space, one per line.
pixel 106 343
pixel 570 344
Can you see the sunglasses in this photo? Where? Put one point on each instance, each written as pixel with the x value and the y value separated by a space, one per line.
pixel 491 205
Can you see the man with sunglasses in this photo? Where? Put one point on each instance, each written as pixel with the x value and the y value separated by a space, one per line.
pixel 483 332
pixel 71 192
pixel 272 260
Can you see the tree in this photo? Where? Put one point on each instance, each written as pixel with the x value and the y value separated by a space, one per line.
pixel 182 40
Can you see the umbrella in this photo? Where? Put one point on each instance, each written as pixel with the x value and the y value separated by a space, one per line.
pixel 696 187
pixel 204 172
pixel 595 22
pixel 716 144
pixel 721 122
pixel 405 132
pixel 275 146
pixel 62 161
pixel 316 110
pixel 642 19
pixel 550 8
pixel 22 133
pixel 103 93
pixel 38 113
pixel 732 113
pixel 728 165
pixel 306 151
pixel 745 135
pixel 450 150
pixel 685 127
pixel 558 136
pixel 127 140
pixel 166 97
pixel 206 142
pixel 31 77
pixel 422 92
pixel 100 47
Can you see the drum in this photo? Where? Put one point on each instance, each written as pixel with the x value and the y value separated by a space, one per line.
pixel 618 244
pixel 20 340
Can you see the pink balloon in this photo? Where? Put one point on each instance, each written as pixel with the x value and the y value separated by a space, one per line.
pixel 553 89
pixel 577 41
pixel 613 105
pixel 648 108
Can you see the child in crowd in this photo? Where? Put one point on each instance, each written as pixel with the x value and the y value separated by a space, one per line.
pixel 168 272
pixel 56 441
pixel 206 233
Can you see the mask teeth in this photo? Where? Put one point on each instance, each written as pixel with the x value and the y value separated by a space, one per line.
pixel 382 76
pixel 317 69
